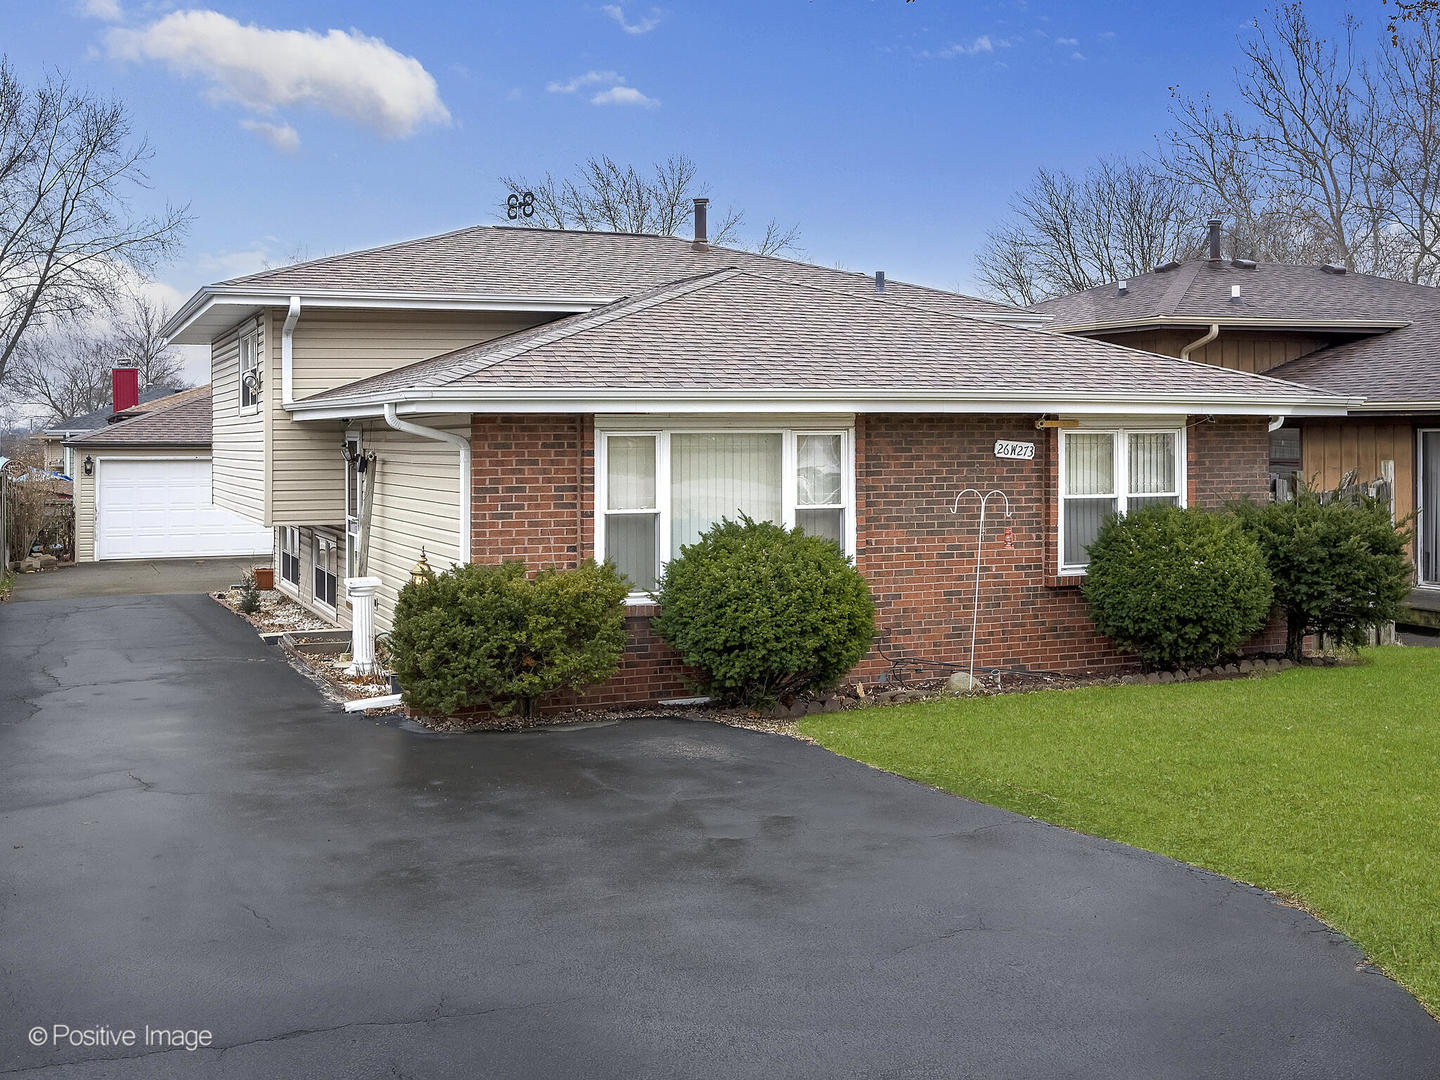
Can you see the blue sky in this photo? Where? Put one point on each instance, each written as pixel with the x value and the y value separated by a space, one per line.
pixel 893 134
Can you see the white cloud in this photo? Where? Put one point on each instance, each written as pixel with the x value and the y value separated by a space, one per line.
pixel 281 136
pixel 109 10
pixel 590 78
pixel 615 92
pixel 624 95
pixel 981 44
pixel 1070 41
pixel 639 26
pixel 346 73
pixel 1077 56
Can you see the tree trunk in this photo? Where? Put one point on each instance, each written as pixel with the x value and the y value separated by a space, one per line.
pixel 1295 638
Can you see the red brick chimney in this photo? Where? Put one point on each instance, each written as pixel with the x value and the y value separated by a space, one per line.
pixel 124 389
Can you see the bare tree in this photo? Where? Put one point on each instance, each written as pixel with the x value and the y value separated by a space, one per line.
pixel 606 196
pixel 136 341
pixel 68 165
pixel 1070 233
pixel 65 369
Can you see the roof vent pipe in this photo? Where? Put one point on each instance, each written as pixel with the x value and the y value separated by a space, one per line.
pixel 1234 294
pixel 700 207
pixel 1122 286
pixel 879 281
pixel 1215 259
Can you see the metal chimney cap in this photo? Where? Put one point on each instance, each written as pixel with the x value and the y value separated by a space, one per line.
pixel 700 240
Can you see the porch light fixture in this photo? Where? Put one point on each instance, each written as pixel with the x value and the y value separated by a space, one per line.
pixel 422 573
pixel 89 465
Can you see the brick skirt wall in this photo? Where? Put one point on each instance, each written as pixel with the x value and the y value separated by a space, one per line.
pixel 533 498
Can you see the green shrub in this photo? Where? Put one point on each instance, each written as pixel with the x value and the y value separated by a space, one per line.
pixel 1337 560
pixel 249 602
pixel 492 637
pixel 1181 588
pixel 763 611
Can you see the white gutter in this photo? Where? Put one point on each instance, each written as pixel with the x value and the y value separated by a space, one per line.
pixel 1201 342
pixel 460 441
pixel 287 353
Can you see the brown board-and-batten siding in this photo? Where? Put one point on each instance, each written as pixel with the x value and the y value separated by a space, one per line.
pixel 1330 449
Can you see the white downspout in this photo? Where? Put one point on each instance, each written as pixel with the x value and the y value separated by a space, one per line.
pixel 393 419
pixel 287 354
pixel 1276 423
pixel 1200 342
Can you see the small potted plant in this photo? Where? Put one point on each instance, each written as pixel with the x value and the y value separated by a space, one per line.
pixel 264 577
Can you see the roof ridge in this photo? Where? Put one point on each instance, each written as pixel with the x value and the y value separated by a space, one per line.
pixel 348 254
pixel 1171 297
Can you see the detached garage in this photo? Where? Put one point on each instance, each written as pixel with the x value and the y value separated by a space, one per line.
pixel 142 489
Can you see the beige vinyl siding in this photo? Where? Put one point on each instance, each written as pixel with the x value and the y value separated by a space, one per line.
pixel 332 347
pixel 238 449
pixel 84 493
pixel 417 503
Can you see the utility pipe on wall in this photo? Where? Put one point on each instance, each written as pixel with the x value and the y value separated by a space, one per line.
pixel 287 353
pixel 463 444
pixel 1200 342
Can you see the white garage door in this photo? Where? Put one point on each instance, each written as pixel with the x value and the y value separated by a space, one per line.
pixel 157 509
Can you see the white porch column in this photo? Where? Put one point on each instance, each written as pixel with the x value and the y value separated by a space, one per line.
pixel 360 591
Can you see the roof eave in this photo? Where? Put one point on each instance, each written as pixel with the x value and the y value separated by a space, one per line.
pixel 247 298
pixel 1185 321
pixel 421 401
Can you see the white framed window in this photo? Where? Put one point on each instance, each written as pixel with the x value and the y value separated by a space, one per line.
pixel 290 556
pixel 658 490
pixel 325 572
pixel 249 365
pixel 1111 471
pixel 354 479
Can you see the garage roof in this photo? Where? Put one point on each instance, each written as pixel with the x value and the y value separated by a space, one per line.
pixel 182 419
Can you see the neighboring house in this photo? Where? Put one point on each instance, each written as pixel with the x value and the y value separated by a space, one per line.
pixel 142 488
pixel 1355 334
pixel 59 459
pixel 554 395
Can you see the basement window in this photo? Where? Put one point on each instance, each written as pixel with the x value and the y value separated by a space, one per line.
pixel 660 490
pixel 1103 473
pixel 325 572
pixel 290 555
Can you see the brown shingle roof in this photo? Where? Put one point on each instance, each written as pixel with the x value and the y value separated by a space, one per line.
pixel 742 331
pixel 1200 292
pixel 493 260
pixel 1398 366
pixel 182 419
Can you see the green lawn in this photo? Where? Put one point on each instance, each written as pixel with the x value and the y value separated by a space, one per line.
pixel 1322 784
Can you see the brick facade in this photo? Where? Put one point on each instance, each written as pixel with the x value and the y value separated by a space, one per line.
pixel 533 497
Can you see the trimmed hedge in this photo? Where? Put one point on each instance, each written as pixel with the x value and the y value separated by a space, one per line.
pixel 489 636
pixel 764 611
pixel 1181 588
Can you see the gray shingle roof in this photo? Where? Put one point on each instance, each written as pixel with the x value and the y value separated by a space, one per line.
pixel 100 417
pixel 743 331
pixel 493 260
pixel 1397 366
pixel 181 420
pixel 1201 292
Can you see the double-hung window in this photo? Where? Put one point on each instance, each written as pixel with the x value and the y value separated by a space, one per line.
pixel 659 490
pixel 1103 473
pixel 290 555
pixel 325 571
pixel 249 370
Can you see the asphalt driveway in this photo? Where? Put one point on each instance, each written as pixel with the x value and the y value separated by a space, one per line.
pixel 190 839
pixel 130 577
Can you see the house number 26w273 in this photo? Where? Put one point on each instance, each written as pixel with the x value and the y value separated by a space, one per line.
pixel 1020 451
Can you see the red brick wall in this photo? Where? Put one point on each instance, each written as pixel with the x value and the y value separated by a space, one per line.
pixel 533 497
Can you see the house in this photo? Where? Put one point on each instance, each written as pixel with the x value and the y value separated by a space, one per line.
pixel 1321 326
pixel 501 393
pixel 52 439
pixel 142 487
